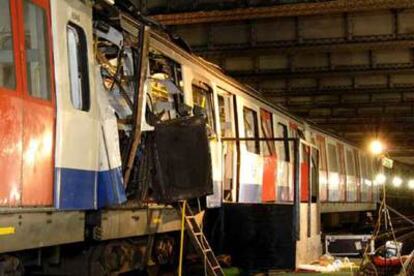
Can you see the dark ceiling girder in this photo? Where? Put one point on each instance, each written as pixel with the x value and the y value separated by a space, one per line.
pixel 297 9
pixel 348 105
pixel 321 72
pixel 347 117
pixel 361 126
pixel 408 152
pixel 365 120
pixel 323 45
pixel 334 91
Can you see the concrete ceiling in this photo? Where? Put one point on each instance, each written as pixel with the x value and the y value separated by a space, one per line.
pixel 347 65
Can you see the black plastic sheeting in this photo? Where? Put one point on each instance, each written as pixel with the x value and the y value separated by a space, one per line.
pixel 257 236
pixel 182 160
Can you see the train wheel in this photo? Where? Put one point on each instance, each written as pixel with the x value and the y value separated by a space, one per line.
pixel 115 257
pixel 11 266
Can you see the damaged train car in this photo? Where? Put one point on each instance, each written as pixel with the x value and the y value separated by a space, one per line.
pixel 108 121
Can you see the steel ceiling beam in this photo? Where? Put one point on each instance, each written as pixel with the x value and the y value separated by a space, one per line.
pixel 398 152
pixel 371 127
pixel 300 9
pixel 292 92
pixel 349 105
pixel 358 121
pixel 321 72
pixel 344 118
pixel 273 48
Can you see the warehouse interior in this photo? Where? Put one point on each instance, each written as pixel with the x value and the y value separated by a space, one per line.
pixel 345 65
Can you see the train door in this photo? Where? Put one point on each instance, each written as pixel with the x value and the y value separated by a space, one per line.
pixel 26 104
pixel 357 175
pixel 342 172
pixel 323 170
pixel 251 162
pixel 269 157
pixel 305 170
pixel 284 188
pixel 228 152
pixel 203 102
pixel 351 182
pixel 366 178
pixel 333 173
pixel 370 179
pixel 11 106
pixel 38 104
pixel 77 136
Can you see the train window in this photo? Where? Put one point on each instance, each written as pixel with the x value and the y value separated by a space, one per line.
pixel 203 102
pixel 283 146
pixel 37 51
pixel 267 129
pixel 224 104
pixel 78 67
pixel 322 152
pixel 251 129
pixel 369 168
pixel 350 163
pixel 300 134
pixel 363 166
pixel 7 70
pixel 341 159
pixel 333 158
pixel 166 86
pixel 222 115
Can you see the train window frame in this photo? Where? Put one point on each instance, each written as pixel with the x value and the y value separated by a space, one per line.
pixel 269 148
pixel 340 149
pixel 166 96
pixel 12 86
pixel 285 136
pixel 332 159
pixel 350 163
pixel 251 146
pixel 198 86
pixel 80 99
pixel 364 165
pixel 225 111
pixel 44 80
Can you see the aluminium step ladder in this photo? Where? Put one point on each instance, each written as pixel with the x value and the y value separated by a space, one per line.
pixel 199 241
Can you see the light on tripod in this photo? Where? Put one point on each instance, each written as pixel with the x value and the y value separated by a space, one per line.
pixel 397 181
pixel 380 179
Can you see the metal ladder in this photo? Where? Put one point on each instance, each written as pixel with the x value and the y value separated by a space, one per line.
pixel 199 241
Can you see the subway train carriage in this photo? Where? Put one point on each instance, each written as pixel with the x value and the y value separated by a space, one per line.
pixel 90 92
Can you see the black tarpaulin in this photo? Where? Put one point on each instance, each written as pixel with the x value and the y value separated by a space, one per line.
pixel 182 160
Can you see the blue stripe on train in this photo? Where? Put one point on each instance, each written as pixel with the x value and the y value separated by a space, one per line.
pixel 111 188
pixel 85 190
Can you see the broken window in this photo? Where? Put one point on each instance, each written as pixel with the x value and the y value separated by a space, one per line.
pixel 203 103
pixel 165 87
